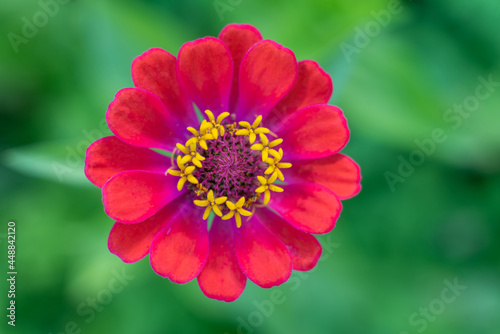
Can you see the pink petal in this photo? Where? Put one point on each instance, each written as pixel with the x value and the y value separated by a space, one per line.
pixel 205 71
pixel 303 247
pixel 131 242
pixel 180 250
pixel 267 73
pixel 109 156
pixel 156 71
pixel 313 86
pixel 134 196
pixel 139 118
pixel 222 278
pixel 239 38
pixel 261 255
pixel 314 132
pixel 311 208
pixel 337 172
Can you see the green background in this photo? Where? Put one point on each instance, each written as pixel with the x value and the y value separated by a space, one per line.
pixel 386 262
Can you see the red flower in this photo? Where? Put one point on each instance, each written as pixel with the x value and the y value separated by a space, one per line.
pixel 266 154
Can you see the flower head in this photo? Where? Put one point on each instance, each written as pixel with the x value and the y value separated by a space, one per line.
pixel 265 154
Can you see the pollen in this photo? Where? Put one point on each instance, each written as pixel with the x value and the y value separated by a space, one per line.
pixel 200 189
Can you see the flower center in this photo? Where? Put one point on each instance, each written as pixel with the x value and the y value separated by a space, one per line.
pixel 230 167
pixel 227 171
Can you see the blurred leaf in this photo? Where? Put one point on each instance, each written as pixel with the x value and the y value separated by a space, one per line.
pixel 61 161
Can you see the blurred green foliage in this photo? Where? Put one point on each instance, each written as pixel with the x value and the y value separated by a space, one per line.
pixel 396 244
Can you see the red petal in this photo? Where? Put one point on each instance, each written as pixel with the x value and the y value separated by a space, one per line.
pixel 303 247
pixel 314 132
pixel 239 38
pixel 139 118
pixel 222 278
pixel 337 172
pixel 311 208
pixel 261 255
pixel 131 242
pixel 133 196
pixel 180 250
pixel 313 86
pixel 206 70
pixel 109 156
pixel 156 71
pixel 267 73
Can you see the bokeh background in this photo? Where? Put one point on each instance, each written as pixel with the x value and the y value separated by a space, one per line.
pixel 401 72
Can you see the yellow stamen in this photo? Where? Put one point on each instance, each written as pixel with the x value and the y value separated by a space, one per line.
pixel 191 154
pixel 265 146
pixel 265 187
pixel 231 128
pixel 237 211
pixel 199 138
pixel 275 165
pixel 252 130
pixel 201 189
pixel 185 173
pixel 214 124
pixel 251 201
pixel 211 203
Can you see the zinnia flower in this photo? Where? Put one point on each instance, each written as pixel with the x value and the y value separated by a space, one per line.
pixel 263 162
